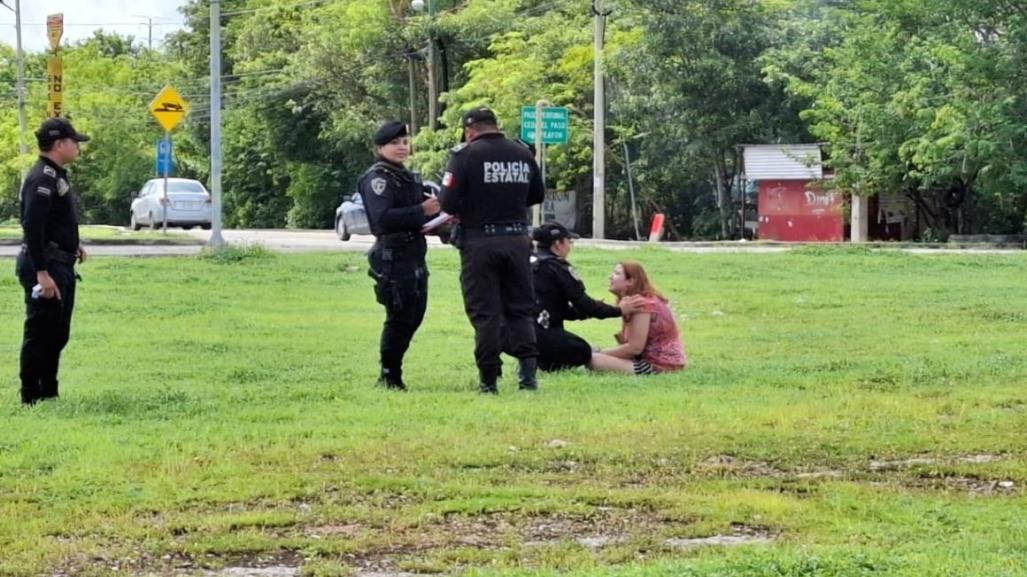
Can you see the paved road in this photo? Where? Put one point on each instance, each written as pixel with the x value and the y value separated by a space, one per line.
pixel 326 241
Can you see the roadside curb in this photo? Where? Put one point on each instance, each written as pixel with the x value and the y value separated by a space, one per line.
pixel 123 242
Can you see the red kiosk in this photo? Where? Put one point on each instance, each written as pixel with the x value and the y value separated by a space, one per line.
pixel 796 202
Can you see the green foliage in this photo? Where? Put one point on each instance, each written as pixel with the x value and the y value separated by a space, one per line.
pixel 923 98
pixel 918 97
pixel 216 412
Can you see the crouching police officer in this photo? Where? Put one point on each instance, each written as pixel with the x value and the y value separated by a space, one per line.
pixel 489 184
pixel 46 264
pixel 560 296
pixel 397 209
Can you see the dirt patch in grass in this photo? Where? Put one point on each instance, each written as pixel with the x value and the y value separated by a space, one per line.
pixel 729 466
pixel 899 464
pixel 963 484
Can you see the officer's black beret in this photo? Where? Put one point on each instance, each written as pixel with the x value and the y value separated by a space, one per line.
pixel 550 232
pixel 54 129
pixel 390 131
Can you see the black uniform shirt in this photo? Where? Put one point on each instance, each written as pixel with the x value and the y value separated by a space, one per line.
pixel 49 212
pixel 560 294
pixel 491 180
pixel 392 196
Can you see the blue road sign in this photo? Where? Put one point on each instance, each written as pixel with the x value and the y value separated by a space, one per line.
pixel 164 163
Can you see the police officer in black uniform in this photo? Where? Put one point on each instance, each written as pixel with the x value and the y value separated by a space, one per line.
pixel 397 208
pixel 46 264
pixel 560 296
pixel 489 184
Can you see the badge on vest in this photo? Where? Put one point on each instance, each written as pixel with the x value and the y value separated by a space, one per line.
pixel 62 187
pixel 378 185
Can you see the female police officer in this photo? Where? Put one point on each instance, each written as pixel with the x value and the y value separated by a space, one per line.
pixel 559 296
pixel 396 210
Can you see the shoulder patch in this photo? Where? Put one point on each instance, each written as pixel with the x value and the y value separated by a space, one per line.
pixel 378 185
pixel 43 191
pixel 447 180
pixel 574 274
pixel 49 171
pixel 458 147
pixel 62 187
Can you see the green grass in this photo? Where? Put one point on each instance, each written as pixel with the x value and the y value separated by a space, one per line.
pixel 220 411
pixel 110 234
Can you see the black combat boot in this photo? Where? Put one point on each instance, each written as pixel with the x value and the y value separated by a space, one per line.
pixel 49 390
pixel 526 370
pixel 31 391
pixel 392 379
pixel 489 379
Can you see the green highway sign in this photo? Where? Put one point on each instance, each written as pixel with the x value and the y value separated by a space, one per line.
pixel 555 125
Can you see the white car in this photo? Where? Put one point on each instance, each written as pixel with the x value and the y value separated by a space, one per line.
pixel 187 204
pixel 351 218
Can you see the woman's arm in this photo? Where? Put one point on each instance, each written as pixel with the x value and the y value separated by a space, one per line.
pixel 638 334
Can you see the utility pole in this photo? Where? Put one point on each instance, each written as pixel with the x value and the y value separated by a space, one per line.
pixel 412 73
pixel 433 83
pixel 599 128
pixel 23 147
pixel 216 241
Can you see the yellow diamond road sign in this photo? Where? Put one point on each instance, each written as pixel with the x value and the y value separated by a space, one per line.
pixel 168 108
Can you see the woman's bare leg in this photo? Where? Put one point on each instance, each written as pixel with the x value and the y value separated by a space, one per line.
pixel 610 364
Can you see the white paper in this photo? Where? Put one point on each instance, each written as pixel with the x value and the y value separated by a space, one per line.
pixel 436 222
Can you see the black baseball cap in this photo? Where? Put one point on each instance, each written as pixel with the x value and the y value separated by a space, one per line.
pixel 479 114
pixel 54 129
pixel 390 131
pixel 550 232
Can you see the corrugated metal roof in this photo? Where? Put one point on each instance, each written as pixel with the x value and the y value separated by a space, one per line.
pixel 783 162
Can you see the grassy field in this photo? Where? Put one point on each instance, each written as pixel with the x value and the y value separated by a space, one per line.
pixel 846 413
pixel 109 234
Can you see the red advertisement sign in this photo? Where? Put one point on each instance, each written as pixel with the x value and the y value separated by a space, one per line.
pixel 800 211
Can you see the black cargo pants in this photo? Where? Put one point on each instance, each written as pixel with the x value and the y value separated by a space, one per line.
pixel 401 286
pixel 47 329
pixel 499 298
pixel 559 349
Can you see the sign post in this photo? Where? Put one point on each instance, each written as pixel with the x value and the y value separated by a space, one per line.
pixel 169 109
pixel 163 162
pixel 55 67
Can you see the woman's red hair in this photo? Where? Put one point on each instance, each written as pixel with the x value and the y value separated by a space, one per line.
pixel 638 281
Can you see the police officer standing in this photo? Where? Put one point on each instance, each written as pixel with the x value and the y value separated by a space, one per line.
pixel 560 296
pixel 489 184
pixel 49 251
pixel 397 209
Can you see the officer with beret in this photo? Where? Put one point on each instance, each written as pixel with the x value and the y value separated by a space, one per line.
pixel 489 184
pixel 560 296
pixel 46 264
pixel 397 208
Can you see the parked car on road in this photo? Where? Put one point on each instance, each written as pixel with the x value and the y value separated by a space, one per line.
pixel 351 217
pixel 187 204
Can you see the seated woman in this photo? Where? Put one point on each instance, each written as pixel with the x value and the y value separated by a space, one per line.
pixel 560 296
pixel 649 340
